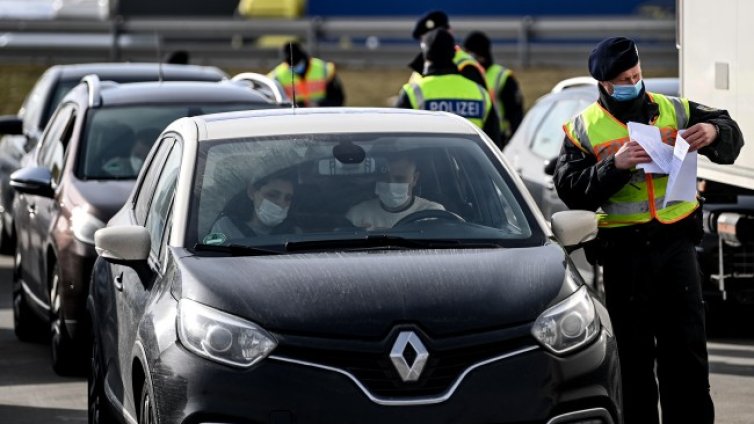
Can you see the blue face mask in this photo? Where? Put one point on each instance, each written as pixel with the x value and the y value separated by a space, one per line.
pixel 299 67
pixel 624 93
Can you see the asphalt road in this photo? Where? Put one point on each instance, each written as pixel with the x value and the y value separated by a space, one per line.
pixel 30 392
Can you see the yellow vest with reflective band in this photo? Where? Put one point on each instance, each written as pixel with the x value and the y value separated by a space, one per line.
pixel 496 77
pixel 462 59
pixel 595 131
pixel 311 89
pixel 451 93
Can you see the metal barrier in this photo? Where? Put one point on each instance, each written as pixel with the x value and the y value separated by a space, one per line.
pixel 371 42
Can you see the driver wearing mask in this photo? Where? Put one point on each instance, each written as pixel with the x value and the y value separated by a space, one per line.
pixel 395 198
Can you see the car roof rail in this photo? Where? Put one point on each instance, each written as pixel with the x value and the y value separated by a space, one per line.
pixel 94 87
pixel 573 82
pixel 267 86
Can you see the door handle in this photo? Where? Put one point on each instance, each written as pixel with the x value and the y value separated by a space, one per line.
pixel 31 208
pixel 118 282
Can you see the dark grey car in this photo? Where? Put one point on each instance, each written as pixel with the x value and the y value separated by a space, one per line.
pixel 22 131
pixel 78 176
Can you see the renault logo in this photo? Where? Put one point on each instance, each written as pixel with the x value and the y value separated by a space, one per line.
pixel 409 356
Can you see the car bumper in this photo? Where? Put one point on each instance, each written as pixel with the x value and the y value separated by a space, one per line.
pixel 530 386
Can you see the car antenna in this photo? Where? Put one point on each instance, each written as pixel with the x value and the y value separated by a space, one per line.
pixel 293 82
pixel 159 58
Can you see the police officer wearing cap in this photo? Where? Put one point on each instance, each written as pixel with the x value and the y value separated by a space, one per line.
pixel 315 81
pixel 466 64
pixel 503 86
pixel 442 88
pixel 651 274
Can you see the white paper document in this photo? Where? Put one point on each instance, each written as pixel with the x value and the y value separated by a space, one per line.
pixel 682 178
pixel 677 162
pixel 648 137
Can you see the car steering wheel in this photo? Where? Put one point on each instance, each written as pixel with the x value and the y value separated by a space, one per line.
pixel 429 214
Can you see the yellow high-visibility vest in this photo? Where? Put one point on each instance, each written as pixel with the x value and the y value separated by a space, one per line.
pixel 451 93
pixel 312 88
pixel 496 77
pixel 595 131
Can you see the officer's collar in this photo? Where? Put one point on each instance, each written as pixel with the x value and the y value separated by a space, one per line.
pixel 432 69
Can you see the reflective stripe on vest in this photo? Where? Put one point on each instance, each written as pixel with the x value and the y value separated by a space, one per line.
pixel 312 88
pixel 496 77
pixel 595 131
pixel 451 93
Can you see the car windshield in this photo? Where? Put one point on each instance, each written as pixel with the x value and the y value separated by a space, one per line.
pixel 334 191
pixel 117 139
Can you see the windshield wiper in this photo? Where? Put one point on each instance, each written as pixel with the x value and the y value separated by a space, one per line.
pixel 236 249
pixel 384 241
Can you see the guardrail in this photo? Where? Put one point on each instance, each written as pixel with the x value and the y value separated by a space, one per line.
pixel 371 42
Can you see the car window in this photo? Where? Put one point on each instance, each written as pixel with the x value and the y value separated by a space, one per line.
pixel 55 140
pixel 117 138
pixel 273 190
pixel 549 135
pixel 33 107
pixel 163 197
pixel 146 185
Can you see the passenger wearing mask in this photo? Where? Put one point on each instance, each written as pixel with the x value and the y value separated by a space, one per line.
pixel 503 86
pixel 262 209
pixel 315 80
pixel 464 62
pixel 442 88
pixel 395 198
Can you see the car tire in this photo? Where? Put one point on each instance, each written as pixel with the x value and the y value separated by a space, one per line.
pixel 26 324
pixel 147 409
pixel 67 358
pixel 98 406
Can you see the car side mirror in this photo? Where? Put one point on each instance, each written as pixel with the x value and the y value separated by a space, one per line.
pixel 33 180
pixel 550 166
pixel 11 125
pixel 574 228
pixel 124 245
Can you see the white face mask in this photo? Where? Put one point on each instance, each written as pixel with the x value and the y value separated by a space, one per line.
pixel 271 214
pixel 392 195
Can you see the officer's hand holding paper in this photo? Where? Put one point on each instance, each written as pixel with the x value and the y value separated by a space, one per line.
pixel 677 162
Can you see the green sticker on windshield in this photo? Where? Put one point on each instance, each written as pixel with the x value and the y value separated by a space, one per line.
pixel 214 238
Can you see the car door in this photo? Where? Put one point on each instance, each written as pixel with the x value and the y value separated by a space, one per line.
pixel 34 231
pixel 544 146
pixel 136 288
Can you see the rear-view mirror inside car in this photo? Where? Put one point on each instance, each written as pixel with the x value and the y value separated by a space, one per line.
pixel 333 166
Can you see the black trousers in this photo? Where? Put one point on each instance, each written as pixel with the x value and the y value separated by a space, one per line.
pixel 653 293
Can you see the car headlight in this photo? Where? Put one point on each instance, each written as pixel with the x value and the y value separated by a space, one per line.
pixel 84 225
pixel 221 337
pixel 568 325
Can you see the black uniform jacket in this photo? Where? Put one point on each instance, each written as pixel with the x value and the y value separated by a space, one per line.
pixel 491 123
pixel 583 182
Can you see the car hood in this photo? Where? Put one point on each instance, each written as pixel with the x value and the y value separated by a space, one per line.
pixel 103 198
pixel 365 294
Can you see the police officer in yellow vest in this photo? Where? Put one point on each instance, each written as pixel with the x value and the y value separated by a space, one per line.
pixel 503 85
pixel 651 275
pixel 466 64
pixel 442 88
pixel 314 79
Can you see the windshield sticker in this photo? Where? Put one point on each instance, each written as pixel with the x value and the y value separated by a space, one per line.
pixel 214 238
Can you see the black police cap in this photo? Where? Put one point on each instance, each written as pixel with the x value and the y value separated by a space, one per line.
pixel 611 57
pixel 432 20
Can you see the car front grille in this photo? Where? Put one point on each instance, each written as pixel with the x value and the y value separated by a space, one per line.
pixel 372 367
